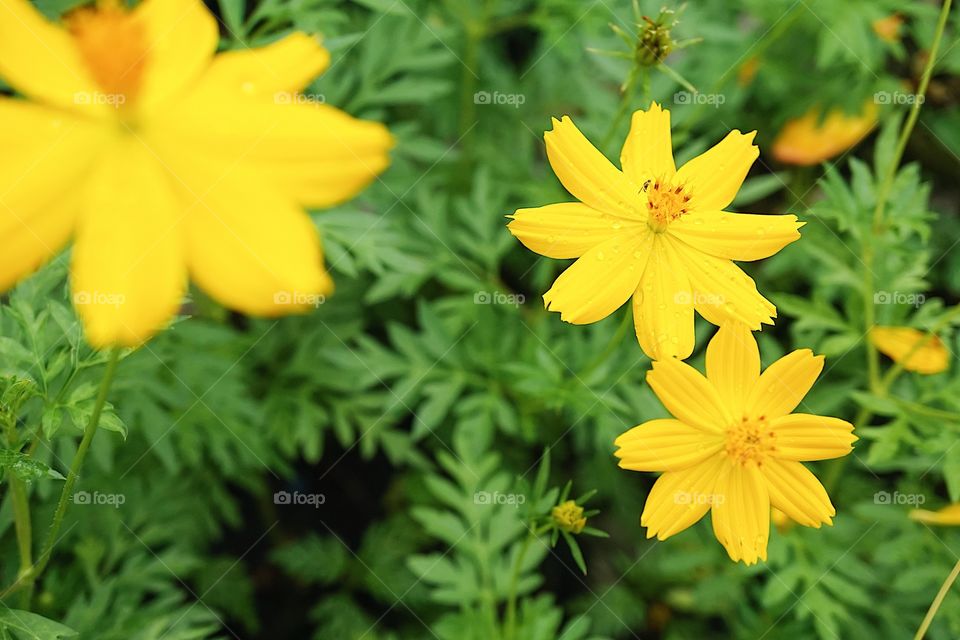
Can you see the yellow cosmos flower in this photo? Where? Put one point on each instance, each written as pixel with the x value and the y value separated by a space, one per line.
pixel 653 232
pixel 164 160
pixel 733 447
pixel 927 354
pixel 949 516
pixel 808 141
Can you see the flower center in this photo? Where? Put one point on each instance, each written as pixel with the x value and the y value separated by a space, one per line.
pixel 113 44
pixel 665 203
pixel 750 440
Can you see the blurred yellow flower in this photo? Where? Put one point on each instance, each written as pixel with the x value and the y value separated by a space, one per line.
pixel 927 354
pixel 947 516
pixel 162 159
pixel 733 447
pixel 807 140
pixel 653 232
pixel 748 71
pixel 888 29
pixel 780 520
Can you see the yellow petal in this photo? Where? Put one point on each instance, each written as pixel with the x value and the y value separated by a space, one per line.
pixel 741 515
pixel 181 38
pixel 808 140
pixel 688 396
pixel 722 291
pixel 948 516
pixel 282 67
pixel 46 154
pixel 39 59
pixel 736 236
pixel 316 154
pixel 647 152
pixel 797 493
pixel 663 306
pixel 247 246
pixel 566 230
pixel 784 384
pixel 601 280
pixel 916 351
pixel 714 177
pixel 804 437
pixel 128 274
pixel 587 174
pixel 680 498
pixel 665 445
pixel 733 364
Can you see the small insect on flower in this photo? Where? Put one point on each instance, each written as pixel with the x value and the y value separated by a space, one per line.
pixel 163 159
pixel 734 447
pixel 653 232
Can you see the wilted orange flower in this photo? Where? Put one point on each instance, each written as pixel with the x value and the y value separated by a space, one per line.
pixel 654 233
pixel 888 29
pixel 734 447
pixel 748 71
pixel 927 353
pixel 808 140
pixel 162 159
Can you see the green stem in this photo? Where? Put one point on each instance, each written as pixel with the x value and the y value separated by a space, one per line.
pixel 935 605
pixel 28 579
pixel 24 529
pixel 615 341
pixel 510 622
pixel 883 194
pixel 628 92
pixel 21 509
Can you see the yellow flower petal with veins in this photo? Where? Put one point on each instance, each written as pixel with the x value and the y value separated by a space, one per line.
pixel 732 447
pixel 916 351
pixel 165 160
pixel 807 140
pixel 653 232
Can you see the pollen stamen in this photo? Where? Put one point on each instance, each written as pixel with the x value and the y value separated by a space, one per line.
pixel 113 43
pixel 665 203
pixel 750 441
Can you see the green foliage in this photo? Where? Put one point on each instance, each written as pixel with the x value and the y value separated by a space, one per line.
pixel 442 413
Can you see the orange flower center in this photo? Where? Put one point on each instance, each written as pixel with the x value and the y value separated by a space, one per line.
pixel 750 440
pixel 113 44
pixel 665 203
